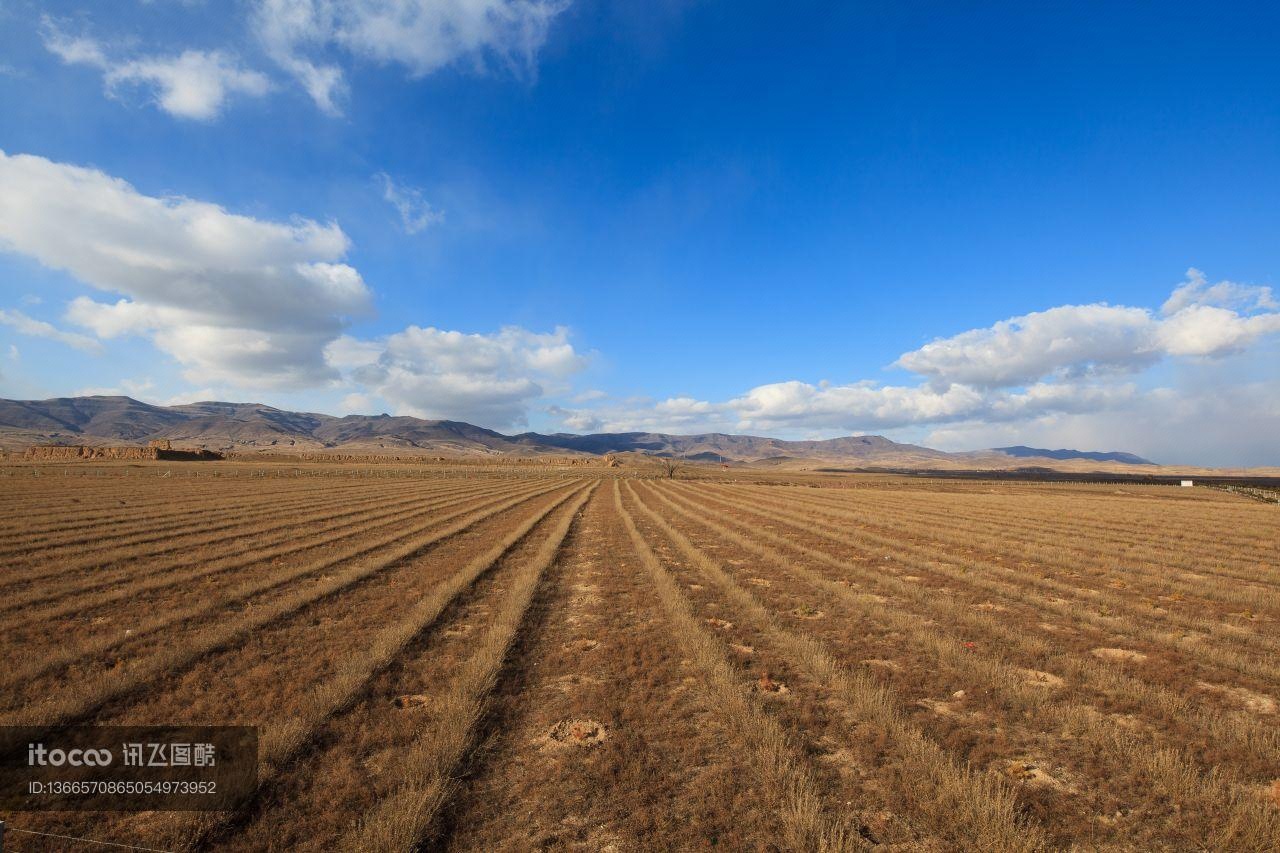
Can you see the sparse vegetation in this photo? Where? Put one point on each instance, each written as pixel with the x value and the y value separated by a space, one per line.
pixel 481 659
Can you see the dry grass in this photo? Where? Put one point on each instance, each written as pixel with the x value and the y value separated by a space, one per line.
pixel 489 657
pixel 400 821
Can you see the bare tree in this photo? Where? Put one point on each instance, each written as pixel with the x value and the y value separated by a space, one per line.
pixel 670 467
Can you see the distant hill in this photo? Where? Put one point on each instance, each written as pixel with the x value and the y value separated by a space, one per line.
pixel 1096 456
pixel 253 427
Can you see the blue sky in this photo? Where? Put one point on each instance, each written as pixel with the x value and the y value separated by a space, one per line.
pixel 958 225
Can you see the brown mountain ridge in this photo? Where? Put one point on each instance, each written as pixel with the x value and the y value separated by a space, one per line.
pixel 254 427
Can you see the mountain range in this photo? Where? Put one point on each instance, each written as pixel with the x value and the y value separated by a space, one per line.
pixel 1103 456
pixel 253 427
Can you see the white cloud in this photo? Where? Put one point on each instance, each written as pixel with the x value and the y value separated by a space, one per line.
pixel 237 300
pixel 1209 331
pixel 802 408
pixel 40 329
pixel 1075 341
pixel 416 214
pixel 487 379
pixel 193 84
pixel 420 35
pixel 839 406
pixel 73 50
pixel 1188 425
pixel 1196 290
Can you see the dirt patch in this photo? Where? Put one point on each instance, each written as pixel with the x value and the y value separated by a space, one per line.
pixel 577 733
pixel 1123 655
pixel 880 663
pixel 412 700
pixel 572 681
pixel 1257 703
pixel 582 645
pixel 759 582
pixel 942 708
pixel 586 594
pixel 745 651
pixel 1036 678
pixel 770 687
pixel 720 624
pixel 1030 774
pixel 991 607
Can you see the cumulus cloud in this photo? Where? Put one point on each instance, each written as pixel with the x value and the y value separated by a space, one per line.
pixel 487 379
pixel 416 214
pixel 836 406
pixel 192 85
pixel 26 325
pixel 1074 341
pixel 237 300
pixel 420 35
pixel 1196 290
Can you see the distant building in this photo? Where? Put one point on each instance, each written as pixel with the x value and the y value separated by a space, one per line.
pixel 1186 484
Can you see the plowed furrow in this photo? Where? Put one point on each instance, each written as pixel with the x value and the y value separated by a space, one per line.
pixel 212 603
pixel 53 565
pixel 1160 563
pixel 1127 755
pixel 662 775
pixel 283 739
pixel 89 697
pixel 806 821
pixel 130 581
pixel 167 521
pixel 1146 532
pixel 404 819
pixel 1236 649
pixel 993 633
pixel 959 807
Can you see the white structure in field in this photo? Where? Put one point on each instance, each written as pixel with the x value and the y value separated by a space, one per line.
pixel 1186 484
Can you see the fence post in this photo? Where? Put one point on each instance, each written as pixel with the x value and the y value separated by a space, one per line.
pixel 1 836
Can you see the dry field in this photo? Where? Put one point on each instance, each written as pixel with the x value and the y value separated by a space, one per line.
pixel 496 659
